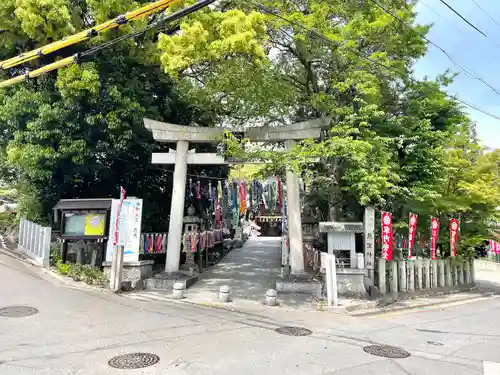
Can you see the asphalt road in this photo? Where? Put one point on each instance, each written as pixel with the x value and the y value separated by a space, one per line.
pixel 79 331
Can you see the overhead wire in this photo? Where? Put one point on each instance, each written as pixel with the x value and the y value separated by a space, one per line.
pixel 86 34
pixel 456 27
pixel 441 16
pixel 373 61
pixel 470 73
pixel 76 58
pixel 485 12
pixel 492 40
pixel 463 18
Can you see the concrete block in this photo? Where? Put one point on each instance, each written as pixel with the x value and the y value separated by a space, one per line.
pixel 178 290
pixel 224 294
pixel 394 279
pixel 411 275
pixel 434 273
pixel 135 272
pixel 448 273
pixel 402 276
pixel 418 274
pixel 382 280
pixel 426 265
pixel 473 270
pixel 441 274
pixel 461 280
pixel 291 284
pixel 271 297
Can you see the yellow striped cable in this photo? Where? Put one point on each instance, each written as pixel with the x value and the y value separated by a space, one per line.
pixel 38 72
pixel 86 34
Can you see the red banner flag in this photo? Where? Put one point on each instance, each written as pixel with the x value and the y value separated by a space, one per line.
pixel 411 234
pixel 387 235
pixel 454 229
pixel 434 235
pixel 122 198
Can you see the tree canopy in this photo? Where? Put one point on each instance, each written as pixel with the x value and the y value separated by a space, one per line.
pixel 79 133
pixel 393 142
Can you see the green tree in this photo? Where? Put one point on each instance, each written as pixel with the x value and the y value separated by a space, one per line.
pixel 391 140
pixel 79 133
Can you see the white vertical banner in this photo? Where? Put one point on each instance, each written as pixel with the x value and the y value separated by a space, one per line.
pixel 129 229
pixel 369 226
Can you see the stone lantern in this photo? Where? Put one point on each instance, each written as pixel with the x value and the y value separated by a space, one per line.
pixel 191 225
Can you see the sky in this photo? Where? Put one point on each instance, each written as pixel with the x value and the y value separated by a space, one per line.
pixel 473 51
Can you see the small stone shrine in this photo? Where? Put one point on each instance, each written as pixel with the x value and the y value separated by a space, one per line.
pixel 341 240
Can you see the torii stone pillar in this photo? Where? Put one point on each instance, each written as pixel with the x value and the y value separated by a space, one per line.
pixel 183 135
pixel 165 132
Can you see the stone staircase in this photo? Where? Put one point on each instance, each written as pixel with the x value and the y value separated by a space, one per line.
pixel 164 281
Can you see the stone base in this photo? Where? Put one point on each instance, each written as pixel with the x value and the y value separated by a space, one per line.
pixel 134 272
pixel 351 283
pixel 302 285
pixel 166 281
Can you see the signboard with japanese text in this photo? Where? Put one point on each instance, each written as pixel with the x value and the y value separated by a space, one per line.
pixel 369 225
pixel 129 228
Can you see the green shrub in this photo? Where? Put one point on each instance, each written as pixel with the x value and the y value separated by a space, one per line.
pixel 55 256
pixel 62 268
pixel 86 273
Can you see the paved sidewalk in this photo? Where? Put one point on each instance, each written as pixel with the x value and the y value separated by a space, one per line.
pixel 249 271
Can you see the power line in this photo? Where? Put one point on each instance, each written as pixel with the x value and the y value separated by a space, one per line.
pixel 79 56
pixel 470 73
pixel 485 12
pixel 455 26
pixel 337 44
pixel 463 18
pixel 441 16
pixel 86 34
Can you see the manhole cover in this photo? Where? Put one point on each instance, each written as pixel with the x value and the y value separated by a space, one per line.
pixel 386 351
pixel 133 361
pixel 435 343
pixel 294 331
pixel 17 311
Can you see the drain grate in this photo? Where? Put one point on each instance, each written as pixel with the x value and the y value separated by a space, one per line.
pixel 294 331
pixel 386 351
pixel 132 361
pixel 17 311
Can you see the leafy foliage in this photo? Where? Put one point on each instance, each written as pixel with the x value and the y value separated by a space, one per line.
pixel 79 133
pixel 392 142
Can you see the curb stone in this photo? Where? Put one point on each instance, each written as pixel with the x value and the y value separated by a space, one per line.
pixel 389 309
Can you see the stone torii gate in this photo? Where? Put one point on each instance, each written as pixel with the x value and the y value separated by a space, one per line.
pixel 181 157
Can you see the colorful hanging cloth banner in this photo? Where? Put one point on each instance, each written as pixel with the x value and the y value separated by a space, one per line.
pixel 411 234
pixel 454 230
pixel 243 201
pixel 434 236
pixel 493 246
pixel 386 235
pixel 280 197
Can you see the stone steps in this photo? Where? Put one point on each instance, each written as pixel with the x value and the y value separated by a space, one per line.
pixel 166 282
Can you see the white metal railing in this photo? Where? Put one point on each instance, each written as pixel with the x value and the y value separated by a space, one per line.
pixel 34 240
